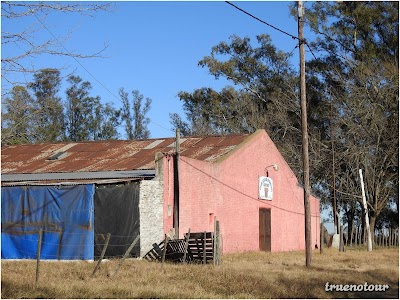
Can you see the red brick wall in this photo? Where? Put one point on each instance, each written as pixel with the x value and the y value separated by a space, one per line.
pixel 228 189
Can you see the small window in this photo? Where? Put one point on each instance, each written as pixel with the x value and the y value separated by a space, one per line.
pixel 57 155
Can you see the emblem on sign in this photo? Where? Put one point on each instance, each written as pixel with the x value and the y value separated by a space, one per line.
pixel 265 188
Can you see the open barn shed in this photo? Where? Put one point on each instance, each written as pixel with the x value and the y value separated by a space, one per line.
pixel 78 192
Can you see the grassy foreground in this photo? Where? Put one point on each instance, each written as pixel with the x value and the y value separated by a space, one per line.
pixel 246 275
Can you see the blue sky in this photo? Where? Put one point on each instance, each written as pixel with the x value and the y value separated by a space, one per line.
pixel 154 47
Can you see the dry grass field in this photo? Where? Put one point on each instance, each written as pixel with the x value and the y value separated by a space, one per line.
pixel 246 275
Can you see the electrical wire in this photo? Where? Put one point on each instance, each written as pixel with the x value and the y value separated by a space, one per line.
pixel 240 192
pixel 262 21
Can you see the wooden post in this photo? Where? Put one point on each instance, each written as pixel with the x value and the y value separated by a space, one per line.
pixel 351 236
pixel 39 248
pixel 187 237
pixel 304 134
pixel 215 242
pixel 125 255
pixel 204 248
pixel 102 254
pixel 341 244
pixel 219 242
pixel 165 249
pixel 321 238
pixel 355 236
pixel 368 231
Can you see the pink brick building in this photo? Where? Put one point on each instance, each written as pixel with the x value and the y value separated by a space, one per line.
pixel 219 177
pixel 228 188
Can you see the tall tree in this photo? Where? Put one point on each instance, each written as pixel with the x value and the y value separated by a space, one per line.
pixel 359 71
pixel 104 120
pixel 78 107
pixel 17 120
pixel 134 116
pixel 265 95
pixel 50 114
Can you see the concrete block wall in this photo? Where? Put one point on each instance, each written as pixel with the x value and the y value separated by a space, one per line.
pixel 151 214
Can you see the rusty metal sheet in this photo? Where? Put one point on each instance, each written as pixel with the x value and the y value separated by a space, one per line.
pixel 188 143
pixel 196 152
pixel 231 140
pixel 209 141
pixel 100 156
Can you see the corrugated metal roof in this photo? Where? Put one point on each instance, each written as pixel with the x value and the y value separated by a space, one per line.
pixel 108 156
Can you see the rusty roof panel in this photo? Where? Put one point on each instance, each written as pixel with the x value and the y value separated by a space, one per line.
pixel 97 156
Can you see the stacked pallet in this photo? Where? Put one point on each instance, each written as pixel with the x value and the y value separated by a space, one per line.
pixel 201 247
pixel 198 247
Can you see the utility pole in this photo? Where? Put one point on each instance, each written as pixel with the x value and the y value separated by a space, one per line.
pixel 304 133
pixel 176 184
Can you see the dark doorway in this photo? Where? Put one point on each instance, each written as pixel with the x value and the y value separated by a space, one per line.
pixel 265 229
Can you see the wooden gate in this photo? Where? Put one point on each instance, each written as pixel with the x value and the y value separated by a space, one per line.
pixel 265 229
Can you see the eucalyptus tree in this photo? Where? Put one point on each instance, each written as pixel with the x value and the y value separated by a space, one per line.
pixel 17 117
pixel 49 111
pixel 134 114
pixel 358 67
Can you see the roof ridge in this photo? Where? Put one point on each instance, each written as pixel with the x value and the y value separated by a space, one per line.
pixel 127 141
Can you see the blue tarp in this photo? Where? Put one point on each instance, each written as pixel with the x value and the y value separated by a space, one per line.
pixel 64 213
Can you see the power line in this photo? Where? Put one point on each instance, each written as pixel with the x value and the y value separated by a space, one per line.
pixel 242 193
pixel 98 81
pixel 262 21
pixel 274 27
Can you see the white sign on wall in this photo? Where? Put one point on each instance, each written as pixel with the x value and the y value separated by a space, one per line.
pixel 265 188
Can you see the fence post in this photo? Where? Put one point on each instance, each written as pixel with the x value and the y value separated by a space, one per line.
pixel 39 248
pixel 125 255
pixel 102 254
pixel 341 242
pixel 165 249
pixel 218 243
pixel 321 238
pixel 355 236
pixel 204 248
pixel 186 245
pixel 351 236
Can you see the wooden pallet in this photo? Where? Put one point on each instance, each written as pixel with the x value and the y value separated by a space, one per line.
pixel 199 248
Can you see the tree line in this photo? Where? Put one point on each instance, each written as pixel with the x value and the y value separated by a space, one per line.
pixel 36 113
pixel 352 97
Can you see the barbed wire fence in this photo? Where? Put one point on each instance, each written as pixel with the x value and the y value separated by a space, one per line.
pixel 101 240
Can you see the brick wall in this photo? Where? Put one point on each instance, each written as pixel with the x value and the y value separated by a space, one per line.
pixel 228 189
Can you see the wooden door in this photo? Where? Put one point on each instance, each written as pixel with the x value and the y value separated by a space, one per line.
pixel 265 229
